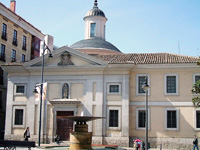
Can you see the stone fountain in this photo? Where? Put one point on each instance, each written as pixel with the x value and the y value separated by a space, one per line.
pixel 80 138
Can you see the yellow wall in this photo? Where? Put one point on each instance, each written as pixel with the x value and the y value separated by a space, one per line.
pixel 157 91
pixel 10 46
pixel 157 113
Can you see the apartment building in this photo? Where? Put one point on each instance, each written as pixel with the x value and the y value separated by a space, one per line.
pixel 20 41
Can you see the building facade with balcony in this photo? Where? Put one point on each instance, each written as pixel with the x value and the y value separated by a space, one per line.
pixel 19 42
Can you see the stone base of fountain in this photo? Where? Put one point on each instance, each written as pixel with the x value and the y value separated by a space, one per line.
pixel 81 138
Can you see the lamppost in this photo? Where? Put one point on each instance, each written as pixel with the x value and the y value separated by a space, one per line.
pixel 146 87
pixel 45 47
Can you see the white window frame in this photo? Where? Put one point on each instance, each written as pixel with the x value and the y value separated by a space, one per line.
pixel 165 84
pixel 24 109
pixel 19 84
pixel 108 88
pixel 194 75
pixel 137 117
pixel 195 120
pixel 137 82
pixel 119 118
pixel 178 116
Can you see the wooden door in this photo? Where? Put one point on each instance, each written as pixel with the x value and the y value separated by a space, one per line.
pixel 64 126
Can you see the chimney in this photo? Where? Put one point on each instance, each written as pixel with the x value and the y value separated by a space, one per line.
pixel 12 5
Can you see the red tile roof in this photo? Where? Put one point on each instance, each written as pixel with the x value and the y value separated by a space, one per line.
pixel 147 58
pixel 138 58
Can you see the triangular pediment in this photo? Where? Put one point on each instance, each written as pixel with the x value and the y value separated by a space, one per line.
pixel 66 57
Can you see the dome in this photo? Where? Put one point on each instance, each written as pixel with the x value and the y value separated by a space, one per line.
pixel 94 43
pixel 95 11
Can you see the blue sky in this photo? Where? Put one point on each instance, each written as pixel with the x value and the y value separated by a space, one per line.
pixel 134 26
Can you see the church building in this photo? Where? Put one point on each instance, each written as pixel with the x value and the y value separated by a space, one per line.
pixel 94 78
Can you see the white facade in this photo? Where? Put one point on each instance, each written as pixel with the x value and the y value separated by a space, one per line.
pixel 100 26
pixel 88 94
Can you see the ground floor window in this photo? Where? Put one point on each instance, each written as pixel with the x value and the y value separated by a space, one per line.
pixel 141 118
pixel 114 118
pixel 197 119
pixel 171 119
pixel 18 116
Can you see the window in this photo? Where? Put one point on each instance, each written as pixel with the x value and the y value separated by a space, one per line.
pixel 1 100
pixel 196 77
pixel 114 118
pixel 113 88
pixel 24 43
pixel 13 55
pixel 92 29
pixel 20 89
pixel 15 37
pixel 141 118
pixel 171 119
pixel 23 58
pixel 171 84
pixel 2 53
pixel 4 32
pixel 140 79
pixel 1 76
pixel 197 119
pixel 18 116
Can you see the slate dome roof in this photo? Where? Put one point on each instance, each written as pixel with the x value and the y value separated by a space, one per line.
pixel 95 11
pixel 96 42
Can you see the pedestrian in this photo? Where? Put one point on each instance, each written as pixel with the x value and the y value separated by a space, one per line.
pixel 26 134
pixel 57 139
pixel 142 145
pixel 195 143
pixel 136 146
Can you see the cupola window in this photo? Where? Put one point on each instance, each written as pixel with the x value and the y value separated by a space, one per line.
pixel 92 29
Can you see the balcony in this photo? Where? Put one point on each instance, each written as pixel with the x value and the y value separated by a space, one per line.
pixel 2 57
pixel 4 36
pixel 13 60
pixel 14 42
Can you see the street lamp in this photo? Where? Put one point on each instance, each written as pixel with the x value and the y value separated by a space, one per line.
pixel 45 47
pixel 146 87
